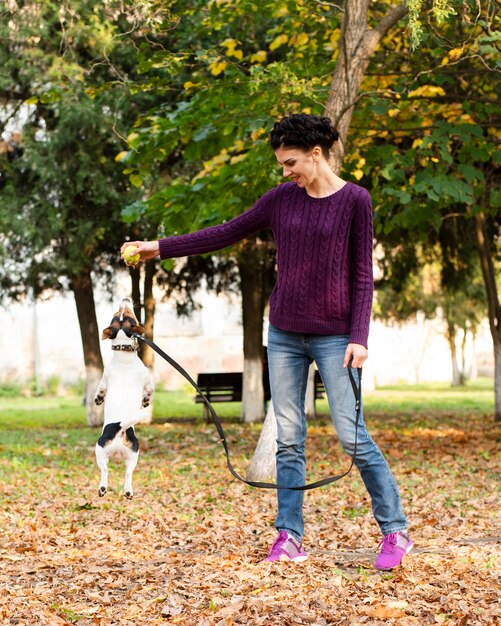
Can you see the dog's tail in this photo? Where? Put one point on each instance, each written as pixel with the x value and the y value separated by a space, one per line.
pixel 132 421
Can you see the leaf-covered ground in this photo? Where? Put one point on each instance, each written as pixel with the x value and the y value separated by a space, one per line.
pixel 186 549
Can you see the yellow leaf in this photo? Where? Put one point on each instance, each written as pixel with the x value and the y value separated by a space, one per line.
pixel 121 155
pixel 358 174
pixel 332 44
pixel 229 43
pixel 259 57
pixel 278 41
pixel 281 11
pixel 132 139
pixel 217 67
pixel 255 134
pixel 427 90
pixel 237 158
pixel 302 39
pixel 455 54
pixel 234 52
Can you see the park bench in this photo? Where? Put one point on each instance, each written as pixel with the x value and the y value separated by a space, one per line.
pixel 227 387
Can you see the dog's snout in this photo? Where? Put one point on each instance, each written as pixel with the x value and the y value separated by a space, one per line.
pixel 126 324
pixel 124 305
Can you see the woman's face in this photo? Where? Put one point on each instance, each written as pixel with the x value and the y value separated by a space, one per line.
pixel 301 167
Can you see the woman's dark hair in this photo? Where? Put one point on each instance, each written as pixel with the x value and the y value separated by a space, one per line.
pixel 304 132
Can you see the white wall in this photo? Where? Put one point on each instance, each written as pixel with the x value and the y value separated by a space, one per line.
pixel 211 340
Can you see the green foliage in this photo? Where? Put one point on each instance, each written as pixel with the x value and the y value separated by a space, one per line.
pixel 62 192
pixel 203 82
pixel 232 69
pixel 440 10
pixel 10 389
pixel 423 140
pixel 430 156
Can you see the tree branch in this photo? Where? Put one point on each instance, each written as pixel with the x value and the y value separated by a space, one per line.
pixel 339 7
pixel 389 20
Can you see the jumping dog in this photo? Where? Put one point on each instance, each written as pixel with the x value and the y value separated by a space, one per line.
pixel 126 389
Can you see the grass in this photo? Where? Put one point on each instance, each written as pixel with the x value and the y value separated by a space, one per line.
pixel 393 401
pixel 477 396
pixel 45 411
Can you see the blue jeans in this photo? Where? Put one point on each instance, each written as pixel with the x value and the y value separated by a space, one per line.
pixel 289 357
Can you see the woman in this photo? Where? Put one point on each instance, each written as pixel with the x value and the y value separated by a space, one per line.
pixel 320 311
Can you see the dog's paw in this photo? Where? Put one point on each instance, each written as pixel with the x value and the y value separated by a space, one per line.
pixel 147 395
pixel 128 495
pixel 99 399
pixel 102 491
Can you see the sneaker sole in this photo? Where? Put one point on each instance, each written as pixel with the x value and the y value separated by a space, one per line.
pixel 296 559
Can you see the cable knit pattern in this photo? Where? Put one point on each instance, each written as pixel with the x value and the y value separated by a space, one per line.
pixel 324 257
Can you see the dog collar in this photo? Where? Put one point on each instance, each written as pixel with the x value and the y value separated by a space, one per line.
pixel 126 347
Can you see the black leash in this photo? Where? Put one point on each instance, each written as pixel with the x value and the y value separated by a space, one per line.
pixel 319 483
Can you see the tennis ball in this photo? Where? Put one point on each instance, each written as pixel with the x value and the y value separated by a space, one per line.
pixel 130 256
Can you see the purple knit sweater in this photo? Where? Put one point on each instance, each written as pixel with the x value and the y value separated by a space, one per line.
pixel 324 256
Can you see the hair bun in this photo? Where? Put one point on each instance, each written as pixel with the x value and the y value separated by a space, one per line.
pixel 328 129
pixel 304 131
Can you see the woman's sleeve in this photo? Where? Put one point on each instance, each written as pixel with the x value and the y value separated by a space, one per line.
pixel 217 237
pixel 362 278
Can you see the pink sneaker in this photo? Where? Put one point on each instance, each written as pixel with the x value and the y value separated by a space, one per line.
pixel 286 548
pixel 394 547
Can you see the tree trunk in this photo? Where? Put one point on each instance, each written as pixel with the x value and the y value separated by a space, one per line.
pixel 494 307
pixel 497 381
pixel 465 374
pixel 148 319
pixel 451 335
pixel 451 339
pixel 357 44
pixel 81 286
pixel 310 394
pixel 250 268
pixel 263 464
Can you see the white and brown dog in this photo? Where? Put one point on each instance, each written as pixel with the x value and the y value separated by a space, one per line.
pixel 126 389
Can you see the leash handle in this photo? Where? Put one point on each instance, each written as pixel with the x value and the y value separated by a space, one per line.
pixel 357 391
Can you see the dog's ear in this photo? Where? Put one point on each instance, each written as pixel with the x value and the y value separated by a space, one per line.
pixel 107 333
pixel 137 329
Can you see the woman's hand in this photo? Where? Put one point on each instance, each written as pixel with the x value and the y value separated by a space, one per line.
pixel 145 249
pixel 358 352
